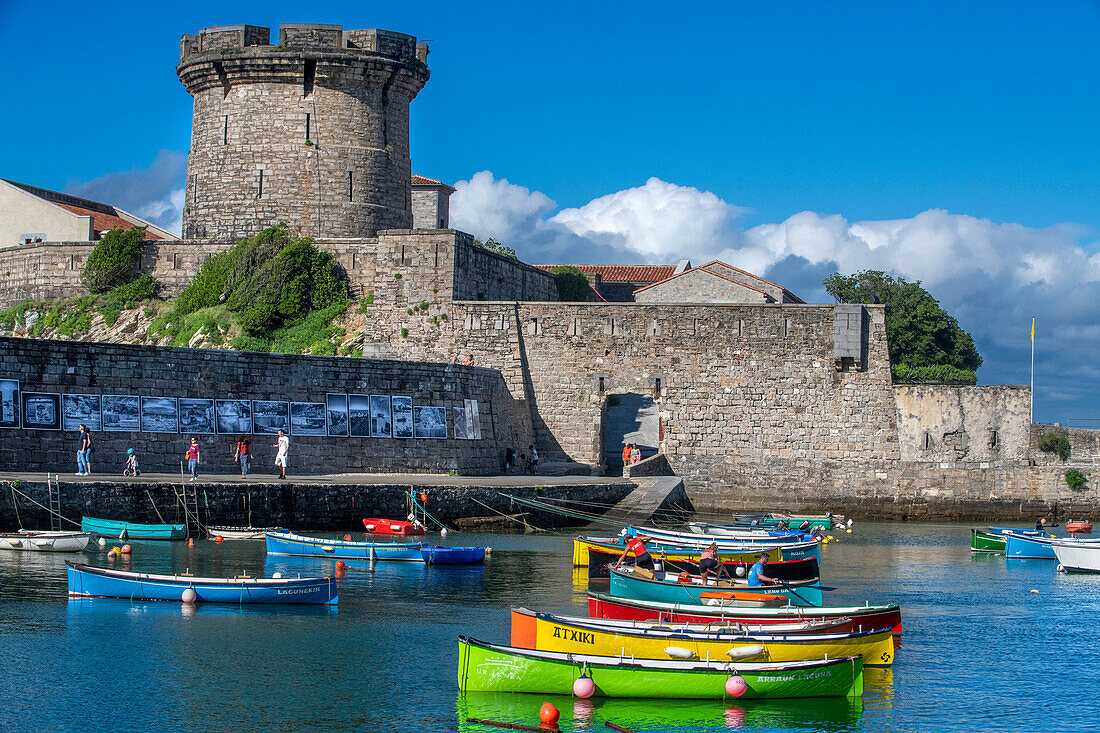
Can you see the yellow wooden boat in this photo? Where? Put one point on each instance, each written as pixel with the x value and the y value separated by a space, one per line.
pixel 577 635
pixel 581 546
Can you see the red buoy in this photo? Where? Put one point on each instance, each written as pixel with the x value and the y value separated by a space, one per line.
pixel 341 568
pixel 347 538
pixel 190 541
pixel 219 538
pixel 548 713
pixel 126 550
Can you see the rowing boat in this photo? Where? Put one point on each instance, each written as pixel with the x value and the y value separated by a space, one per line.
pixel 1078 557
pixel 787 521
pixel 552 633
pixel 1038 547
pixel 717 610
pixel 583 546
pixel 452 555
pixel 484 667
pixel 131 530
pixel 242 533
pixel 668 589
pixel 33 541
pixel 89 582
pixel 992 539
pixel 688 562
pixel 279 543
pixel 767 538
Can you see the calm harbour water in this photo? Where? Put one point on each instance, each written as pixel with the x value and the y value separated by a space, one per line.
pixel 979 651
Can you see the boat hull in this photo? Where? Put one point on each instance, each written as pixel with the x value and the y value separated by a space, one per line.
pixel 45 541
pixel 688 562
pixel 114 529
pixel 490 668
pixel 583 547
pixel 300 546
pixel 88 582
pixel 601 605
pixel 627 585
pixel 453 555
pixel 552 633
pixel 1078 558
pixel 241 533
pixel 982 540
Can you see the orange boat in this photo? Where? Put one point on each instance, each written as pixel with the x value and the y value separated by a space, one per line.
pixel 377 525
pixel 1079 527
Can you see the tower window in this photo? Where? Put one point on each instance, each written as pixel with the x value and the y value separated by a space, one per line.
pixel 194 188
pixel 225 130
pixel 260 184
pixel 350 189
pixel 307 125
pixel 307 80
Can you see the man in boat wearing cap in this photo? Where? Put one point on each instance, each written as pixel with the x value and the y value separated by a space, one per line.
pixel 756 573
pixel 642 558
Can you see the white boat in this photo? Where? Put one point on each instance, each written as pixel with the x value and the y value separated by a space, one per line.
pixel 33 541
pixel 241 533
pixel 1078 557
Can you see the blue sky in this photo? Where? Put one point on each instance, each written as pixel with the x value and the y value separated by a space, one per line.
pixel 951 142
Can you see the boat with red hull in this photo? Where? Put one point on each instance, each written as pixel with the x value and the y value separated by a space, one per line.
pixel 628 609
pixel 803 568
pixel 396 527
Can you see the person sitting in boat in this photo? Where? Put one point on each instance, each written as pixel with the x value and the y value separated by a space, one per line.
pixel 709 562
pixel 756 574
pixel 642 558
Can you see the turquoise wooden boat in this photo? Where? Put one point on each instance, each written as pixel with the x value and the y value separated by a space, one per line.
pixel 667 589
pixel 116 529
pixel 279 543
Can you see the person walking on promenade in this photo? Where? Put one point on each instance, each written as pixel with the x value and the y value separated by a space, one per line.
pixel 534 458
pixel 241 455
pixel 83 450
pixel 283 445
pixel 192 456
pixel 635 455
pixel 626 454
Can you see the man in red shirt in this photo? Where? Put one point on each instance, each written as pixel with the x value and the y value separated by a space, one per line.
pixel 642 558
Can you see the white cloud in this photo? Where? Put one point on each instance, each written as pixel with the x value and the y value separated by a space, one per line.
pixel 155 193
pixel 992 276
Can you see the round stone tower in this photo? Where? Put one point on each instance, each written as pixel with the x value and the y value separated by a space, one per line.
pixel 313 132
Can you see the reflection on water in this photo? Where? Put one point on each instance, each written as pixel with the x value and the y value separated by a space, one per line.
pixel 821 714
pixel 386 660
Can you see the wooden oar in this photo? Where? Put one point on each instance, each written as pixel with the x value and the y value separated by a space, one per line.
pixel 619 728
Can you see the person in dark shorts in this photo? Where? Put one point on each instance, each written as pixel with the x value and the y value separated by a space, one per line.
pixel 642 558
pixel 709 562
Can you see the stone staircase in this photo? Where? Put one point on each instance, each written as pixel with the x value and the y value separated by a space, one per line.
pixel 653 496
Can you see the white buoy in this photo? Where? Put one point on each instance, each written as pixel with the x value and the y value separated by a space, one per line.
pixel 1061 568
pixel 102 542
pixel 443 532
pixel 744 652
pixel 276 576
pixel 678 652
pixel 849 522
pixel 488 550
pixel 188 595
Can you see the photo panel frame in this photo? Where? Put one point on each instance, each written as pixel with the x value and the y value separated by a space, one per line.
pixel 233 417
pixel 159 415
pixel 81 409
pixel 196 415
pixel 11 407
pixel 460 423
pixel 307 418
pixel 270 416
pixel 359 415
pixel 381 420
pixel 41 411
pixel 336 415
pixel 429 422
pixel 122 413
pixel 401 412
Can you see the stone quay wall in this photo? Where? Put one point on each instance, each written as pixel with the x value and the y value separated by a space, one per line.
pixel 103 369
pixel 297 506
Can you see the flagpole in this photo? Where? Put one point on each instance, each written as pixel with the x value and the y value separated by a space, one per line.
pixel 1032 370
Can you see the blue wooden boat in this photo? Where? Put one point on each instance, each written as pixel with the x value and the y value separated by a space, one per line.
pixel 790 550
pixel 453 555
pixel 114 528
pixel 665 588
pixel 1037 547
pixel 300 546
pixel 89 582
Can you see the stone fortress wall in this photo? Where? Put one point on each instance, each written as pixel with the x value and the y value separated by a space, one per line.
pixel 59 367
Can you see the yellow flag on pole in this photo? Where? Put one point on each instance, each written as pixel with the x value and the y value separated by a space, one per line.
pixel 1032 330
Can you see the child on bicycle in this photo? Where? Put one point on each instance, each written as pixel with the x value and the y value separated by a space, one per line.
pixel 131 464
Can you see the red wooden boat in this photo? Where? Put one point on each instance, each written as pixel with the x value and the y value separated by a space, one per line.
pixel 1079 527
pixel 377 525
pixel 855 618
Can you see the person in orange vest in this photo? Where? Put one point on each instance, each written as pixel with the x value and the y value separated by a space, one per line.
pixel 642 558
pixel 626 454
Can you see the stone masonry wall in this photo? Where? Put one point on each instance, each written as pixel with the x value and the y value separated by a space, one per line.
pixel 99 369
pixel 700 286
pixel 947 423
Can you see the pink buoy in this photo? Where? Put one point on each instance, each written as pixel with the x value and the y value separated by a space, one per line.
pixel 126 549
pixel 584 687
pixel 736 686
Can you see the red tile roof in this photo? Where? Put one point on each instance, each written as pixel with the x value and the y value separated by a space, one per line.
pixel 625 273
pixel 102 222
pixel 418 180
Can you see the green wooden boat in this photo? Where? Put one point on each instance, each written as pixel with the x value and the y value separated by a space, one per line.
pixel 992 539
pixel 484 667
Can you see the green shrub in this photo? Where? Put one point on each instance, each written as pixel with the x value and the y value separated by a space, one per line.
pixel 1075 479
pixel 207 287
pixel 494 246
pixel 1051 443
pixel 572 284
pixel 404 333
pixel 17 314
pixel 114 260
pixel 942 374
pixel 144 287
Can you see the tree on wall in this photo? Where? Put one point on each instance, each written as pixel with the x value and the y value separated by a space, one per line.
pixel 494 246
pixel 926 342
pixel 114 260
pixel 572 284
